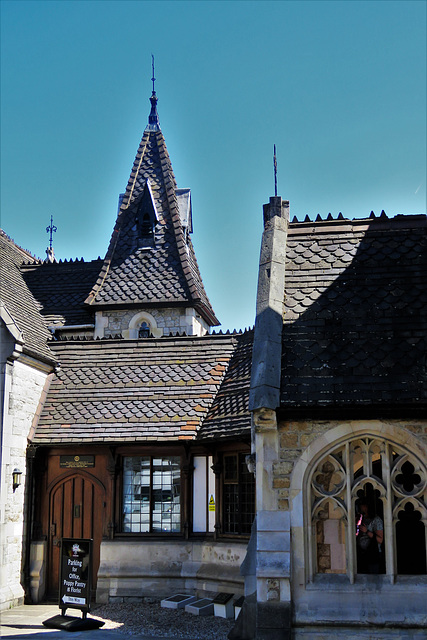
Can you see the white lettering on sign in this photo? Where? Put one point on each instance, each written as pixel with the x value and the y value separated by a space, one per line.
pixel 73 600
pixel 75 563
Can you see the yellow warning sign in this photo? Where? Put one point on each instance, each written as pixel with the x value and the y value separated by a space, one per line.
pixel 211 503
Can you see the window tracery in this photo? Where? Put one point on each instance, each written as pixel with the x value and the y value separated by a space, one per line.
pixel 393 482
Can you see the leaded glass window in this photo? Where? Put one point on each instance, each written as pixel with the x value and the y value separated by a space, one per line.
pixel 151 494
pixel 238 495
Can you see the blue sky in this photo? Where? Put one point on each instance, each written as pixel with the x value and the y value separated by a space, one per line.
pixel 339 87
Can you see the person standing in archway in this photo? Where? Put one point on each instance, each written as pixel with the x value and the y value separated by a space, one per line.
pixel 369 537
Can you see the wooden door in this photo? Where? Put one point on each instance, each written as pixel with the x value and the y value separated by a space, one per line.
pixel 76 508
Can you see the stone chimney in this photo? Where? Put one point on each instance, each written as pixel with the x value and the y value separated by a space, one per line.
pixel 267 350
pixel 272 614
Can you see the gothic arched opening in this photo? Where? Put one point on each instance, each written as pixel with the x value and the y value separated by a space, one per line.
pixel 410 542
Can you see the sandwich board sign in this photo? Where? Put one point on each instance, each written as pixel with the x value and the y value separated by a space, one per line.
pixel 76 575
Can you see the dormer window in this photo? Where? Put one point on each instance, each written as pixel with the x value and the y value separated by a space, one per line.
pixel 144 330
pixel 146 216
pixel 146 226
pixel 142 325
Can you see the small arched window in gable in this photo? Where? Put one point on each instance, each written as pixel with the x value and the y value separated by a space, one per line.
pixel 142 325
pixel 144 330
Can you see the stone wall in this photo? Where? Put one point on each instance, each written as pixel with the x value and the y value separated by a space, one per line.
pixel 296 436
pixel 167 321
pixel 22 387
pixel 284 455
pixel 357 633
pixel 132 569
pixel 333 600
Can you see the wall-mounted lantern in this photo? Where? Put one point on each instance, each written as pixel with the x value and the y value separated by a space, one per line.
pixel 16 478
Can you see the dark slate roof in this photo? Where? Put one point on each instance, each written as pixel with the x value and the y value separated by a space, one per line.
pixel 163 271
pixel 61 288
pixel 135 390
pixel 229 416
pixel 355 324
pixel 19 302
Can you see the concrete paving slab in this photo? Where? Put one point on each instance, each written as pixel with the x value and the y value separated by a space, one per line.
pixel 26 623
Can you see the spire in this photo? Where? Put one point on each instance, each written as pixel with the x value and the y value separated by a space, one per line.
pixel 151 259
pixel 153 118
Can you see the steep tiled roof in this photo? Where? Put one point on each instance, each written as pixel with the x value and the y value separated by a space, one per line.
pixel 162 270
pixel 61 288
pixel 18 302
pixel 134 391
pixel 355 325
pixel 229 416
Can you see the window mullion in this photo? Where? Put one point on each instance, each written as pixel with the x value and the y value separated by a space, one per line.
pixel 389 542
pixel 351 539
pixel 312 555
pixel 151 495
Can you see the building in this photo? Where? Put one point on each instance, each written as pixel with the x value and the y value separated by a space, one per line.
pixel 141 425
pixel 142 428
pixel 338 398
pixel 26 362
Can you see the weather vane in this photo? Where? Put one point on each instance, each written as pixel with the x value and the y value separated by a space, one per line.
pixel 275 171
pixel 51 229
pixel 153 79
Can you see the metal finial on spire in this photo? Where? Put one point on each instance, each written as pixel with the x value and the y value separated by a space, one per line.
pixel 51 229
pixel 153 79
pixel 275 171
pixel 153 118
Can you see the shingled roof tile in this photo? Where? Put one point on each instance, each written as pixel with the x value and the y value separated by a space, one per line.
pixel 19 303
pixel 360 334
pixel 169 269
pixel 155 400
pixel 60 289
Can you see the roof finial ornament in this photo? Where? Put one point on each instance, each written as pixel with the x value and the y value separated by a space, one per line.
pixel 51 229
pixel 153 79
pixel 275 171
pixel 153 118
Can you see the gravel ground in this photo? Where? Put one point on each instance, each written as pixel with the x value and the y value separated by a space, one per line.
pixel 150 619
